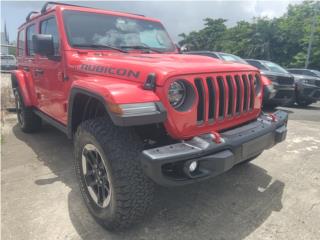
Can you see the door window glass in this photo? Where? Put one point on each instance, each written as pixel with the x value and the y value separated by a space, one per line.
pixel 257 64
pixel 49 26
pixel 31 30
pixel 21 43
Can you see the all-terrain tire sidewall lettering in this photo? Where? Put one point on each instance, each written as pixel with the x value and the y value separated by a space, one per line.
pixel 131 190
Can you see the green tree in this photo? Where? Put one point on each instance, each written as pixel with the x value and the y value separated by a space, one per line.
pixel 283 40
pixel 210 37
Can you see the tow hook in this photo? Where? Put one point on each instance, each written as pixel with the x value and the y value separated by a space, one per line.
pixel 273 117
pixel 216 137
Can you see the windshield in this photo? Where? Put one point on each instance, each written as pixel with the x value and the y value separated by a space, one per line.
pixel 257 64
pixel 91 29
pixel 316 72
pixel 232 58
pixel 275 67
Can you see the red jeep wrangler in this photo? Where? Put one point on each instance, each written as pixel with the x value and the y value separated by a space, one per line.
pixel 138 112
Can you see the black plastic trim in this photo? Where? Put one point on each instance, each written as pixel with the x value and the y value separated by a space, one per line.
pixel 117 119
pixel 246 92
pixel 282 90
pixel 45 6
pixel 222 100
pixel 238 145
pixel 30 14
pixel 51 120
pixel 201 100
pixel 239 96
pixel 212 97
pixel 252 92
pixel 308 92
pixel 231 95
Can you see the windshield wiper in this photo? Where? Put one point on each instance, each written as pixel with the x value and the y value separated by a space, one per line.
pixel 100 46
pixel 142 48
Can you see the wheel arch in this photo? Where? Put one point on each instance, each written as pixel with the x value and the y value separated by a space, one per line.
pixel 80 101
pixel 107 95
pixel 18 80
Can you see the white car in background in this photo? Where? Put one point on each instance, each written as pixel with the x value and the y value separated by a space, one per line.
pixel 8 62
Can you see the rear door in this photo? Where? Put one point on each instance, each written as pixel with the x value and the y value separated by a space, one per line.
pixel 28 60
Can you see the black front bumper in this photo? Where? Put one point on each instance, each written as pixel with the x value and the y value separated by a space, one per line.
pixel 8 67
pixel 285 94
pixel 308 92
pixel 167 165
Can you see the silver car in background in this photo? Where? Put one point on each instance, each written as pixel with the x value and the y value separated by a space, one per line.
pixel 8 62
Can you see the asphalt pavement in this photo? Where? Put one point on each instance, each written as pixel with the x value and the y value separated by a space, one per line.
pixel 277 196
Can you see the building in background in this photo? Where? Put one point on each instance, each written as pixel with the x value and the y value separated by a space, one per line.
pixel 4 39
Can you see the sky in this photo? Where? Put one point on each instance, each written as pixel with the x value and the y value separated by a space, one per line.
pixel 177 16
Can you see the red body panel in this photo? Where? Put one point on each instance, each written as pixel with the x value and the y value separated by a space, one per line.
pixel 265 81
pixel 119 77
pixel 117 92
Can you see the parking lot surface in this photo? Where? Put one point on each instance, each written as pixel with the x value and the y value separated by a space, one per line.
pixel 277 196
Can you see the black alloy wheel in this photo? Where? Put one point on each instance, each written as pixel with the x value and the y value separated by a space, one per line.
pixel 96 176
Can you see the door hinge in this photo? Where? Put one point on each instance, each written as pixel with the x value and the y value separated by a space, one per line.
pixel 62 77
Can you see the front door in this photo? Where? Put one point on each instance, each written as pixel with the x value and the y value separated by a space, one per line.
pixel 50 69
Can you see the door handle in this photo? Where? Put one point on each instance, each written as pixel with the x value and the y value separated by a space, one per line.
pixel 38 71
pixel 27 69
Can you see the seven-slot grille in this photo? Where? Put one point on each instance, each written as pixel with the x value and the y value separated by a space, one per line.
pixel 224 95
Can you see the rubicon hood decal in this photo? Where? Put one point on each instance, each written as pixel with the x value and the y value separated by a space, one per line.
pixel 112 71
pixel 137 69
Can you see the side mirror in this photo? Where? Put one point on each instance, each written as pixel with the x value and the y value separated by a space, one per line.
pixel 185 48
pixel 178 47
pixel 43 44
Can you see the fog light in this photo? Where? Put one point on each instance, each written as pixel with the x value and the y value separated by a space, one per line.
pixel 193 166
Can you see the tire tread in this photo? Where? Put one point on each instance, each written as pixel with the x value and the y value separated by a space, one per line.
pixel 134 191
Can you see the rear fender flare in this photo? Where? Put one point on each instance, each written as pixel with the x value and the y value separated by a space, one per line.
pixel 18 80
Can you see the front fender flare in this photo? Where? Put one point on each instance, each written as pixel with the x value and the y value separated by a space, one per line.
pixel 117 92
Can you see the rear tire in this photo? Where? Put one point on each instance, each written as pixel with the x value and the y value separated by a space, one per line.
pixel 128 192
pixel 29 122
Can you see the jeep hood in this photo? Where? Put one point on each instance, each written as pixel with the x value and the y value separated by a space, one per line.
pixel 136 67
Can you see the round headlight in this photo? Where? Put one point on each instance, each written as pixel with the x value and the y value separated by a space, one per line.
pixel 177 93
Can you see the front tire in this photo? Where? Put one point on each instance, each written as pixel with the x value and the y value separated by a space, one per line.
pixel 303 102
pixel 127 193
pixel 28 121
